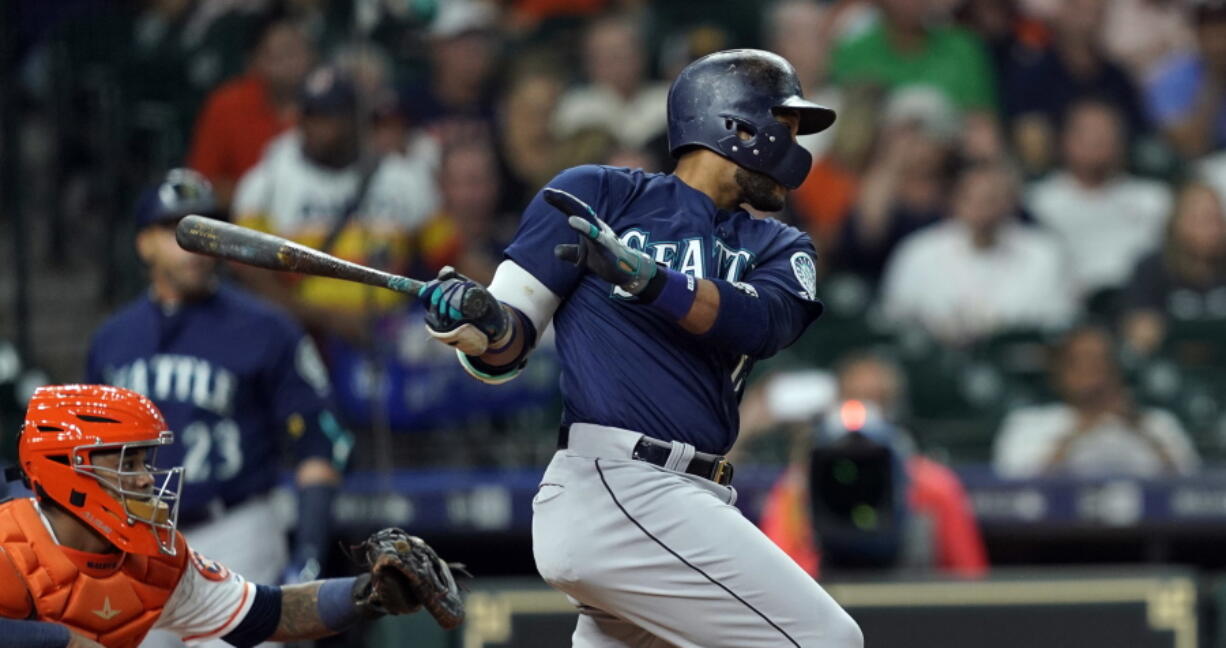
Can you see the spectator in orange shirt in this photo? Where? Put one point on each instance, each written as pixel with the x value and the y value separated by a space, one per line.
pixel 244 114
pixel 870 391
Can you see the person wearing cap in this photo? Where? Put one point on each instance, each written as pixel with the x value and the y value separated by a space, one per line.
pixel 319 186
pixel 239 381
pixel 1187 97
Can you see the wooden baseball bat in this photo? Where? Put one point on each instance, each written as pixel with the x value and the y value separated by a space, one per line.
pixel 251 247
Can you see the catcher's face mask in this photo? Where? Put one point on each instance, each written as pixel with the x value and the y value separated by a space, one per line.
pixel 148 495
pixel 90 450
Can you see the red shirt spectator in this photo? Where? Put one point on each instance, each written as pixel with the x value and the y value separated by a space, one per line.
pixel 244 114
pixel 237 121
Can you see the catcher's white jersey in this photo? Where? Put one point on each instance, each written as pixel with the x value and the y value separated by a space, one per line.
pixel 249 539
pixel 209 601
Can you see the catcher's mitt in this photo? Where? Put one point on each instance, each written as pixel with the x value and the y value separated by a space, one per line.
pixel 406 575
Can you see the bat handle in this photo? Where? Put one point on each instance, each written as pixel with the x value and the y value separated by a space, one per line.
pixel 477 303
pixel 405 285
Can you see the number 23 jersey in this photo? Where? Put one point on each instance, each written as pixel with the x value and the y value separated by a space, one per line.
pixel 231 374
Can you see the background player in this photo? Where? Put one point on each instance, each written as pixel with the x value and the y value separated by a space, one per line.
pixel 239 381
pixel 660 310
pixel 95 559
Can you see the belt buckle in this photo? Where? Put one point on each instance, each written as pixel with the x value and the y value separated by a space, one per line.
pixel 722 474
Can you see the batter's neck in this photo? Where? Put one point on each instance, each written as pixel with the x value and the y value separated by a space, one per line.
pixel 711 174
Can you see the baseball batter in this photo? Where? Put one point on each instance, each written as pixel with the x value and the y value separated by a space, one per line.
pixel 94 560
pixel 663 293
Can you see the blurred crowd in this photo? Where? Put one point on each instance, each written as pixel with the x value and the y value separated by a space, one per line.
pixel 1019 210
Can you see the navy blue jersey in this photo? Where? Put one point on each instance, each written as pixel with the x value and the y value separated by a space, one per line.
pixel 627 365
pixel 233 376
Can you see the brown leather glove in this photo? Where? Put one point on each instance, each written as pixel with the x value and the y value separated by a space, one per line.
pixel 407 575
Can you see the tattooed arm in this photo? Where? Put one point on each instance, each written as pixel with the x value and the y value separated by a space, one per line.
pixel 300 614
pixel 323 608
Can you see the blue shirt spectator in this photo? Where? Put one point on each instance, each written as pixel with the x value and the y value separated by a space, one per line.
pixel 1187 97
pixel 1173 95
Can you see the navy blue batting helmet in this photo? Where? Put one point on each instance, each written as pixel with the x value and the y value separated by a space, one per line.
pixel 741 89
pixel 181 192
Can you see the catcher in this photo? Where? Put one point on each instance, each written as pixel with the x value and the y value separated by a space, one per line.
pixel 94 559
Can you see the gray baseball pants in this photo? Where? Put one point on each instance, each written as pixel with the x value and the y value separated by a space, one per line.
pixel 657 558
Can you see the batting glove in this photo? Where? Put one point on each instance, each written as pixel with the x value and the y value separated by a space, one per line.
pixel 448 297
pixel 598 249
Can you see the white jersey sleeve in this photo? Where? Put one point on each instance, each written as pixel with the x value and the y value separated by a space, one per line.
pixel 515 286
pixel 209 601
pixel 253 196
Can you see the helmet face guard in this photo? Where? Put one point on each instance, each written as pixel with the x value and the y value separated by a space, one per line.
pixel 158 505
pixel 769 150
pixel 77 449
pixel 744 89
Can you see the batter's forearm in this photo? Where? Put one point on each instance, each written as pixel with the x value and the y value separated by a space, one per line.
pixel 745 319
pixel 300 619
pixel 705 309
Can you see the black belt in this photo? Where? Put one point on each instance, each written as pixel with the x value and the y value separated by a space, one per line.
pixel 704 464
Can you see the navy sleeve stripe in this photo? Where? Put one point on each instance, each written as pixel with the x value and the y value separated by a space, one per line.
pixel 261 620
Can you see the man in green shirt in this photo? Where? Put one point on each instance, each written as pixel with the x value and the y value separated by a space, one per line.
pixel 902 48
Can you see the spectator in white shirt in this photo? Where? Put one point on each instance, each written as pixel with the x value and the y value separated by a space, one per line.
pixel 979 271
pixel 1096 430
pixel 618 98
pixel 1106 218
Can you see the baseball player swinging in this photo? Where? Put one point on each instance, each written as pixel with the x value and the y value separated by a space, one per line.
pixel 663 292
pixel 94 559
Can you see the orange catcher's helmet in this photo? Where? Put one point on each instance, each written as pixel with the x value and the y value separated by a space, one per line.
pixel 90 449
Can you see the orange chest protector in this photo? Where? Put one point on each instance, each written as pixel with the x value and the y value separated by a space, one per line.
pixel 113 599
